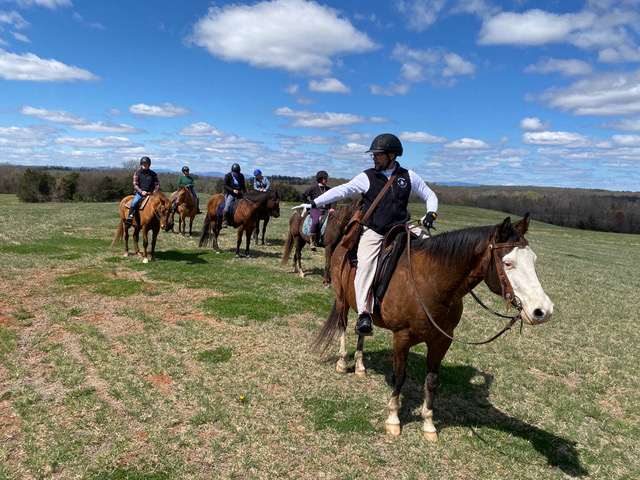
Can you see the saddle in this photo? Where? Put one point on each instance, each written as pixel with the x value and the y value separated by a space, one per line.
pixel 232 211
pixel 142 203
pixel 322 225
pixel 393 246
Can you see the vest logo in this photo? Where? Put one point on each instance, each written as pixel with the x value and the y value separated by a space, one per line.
pixel 401 182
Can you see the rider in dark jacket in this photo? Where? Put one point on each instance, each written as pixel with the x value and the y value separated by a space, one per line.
pixel 234 187
pixel 145 182
pixel 311 194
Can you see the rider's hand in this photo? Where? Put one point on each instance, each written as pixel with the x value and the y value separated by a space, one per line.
pixel 428 219
pixel 313 204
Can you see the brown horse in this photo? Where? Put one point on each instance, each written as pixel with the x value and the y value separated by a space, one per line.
pixel 423 301
pixel 186 207
pixel 264 215
pixel 152 217
pixel 336 223
pixel 244 218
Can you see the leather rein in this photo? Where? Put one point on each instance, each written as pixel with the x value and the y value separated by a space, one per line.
pixel 507 290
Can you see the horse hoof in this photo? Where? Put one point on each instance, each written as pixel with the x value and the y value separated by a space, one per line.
pixel 248 256
pixel 341 368
pixel 431 436
pixel 361 373
pixel 145 260
pixel 238 256
pixel 126 254
pixel 393 428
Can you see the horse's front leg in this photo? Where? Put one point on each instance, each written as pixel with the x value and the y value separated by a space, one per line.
pixel 401 346
pixel 341 366
pixel 264 228
pixel 191 226
pixel 256 233
pixel 126 240
pixel 435 354
pixel 145 245
pixel 361 371
pixel 248 235
pixel 239 241
pixel 136 238
pixel 154 237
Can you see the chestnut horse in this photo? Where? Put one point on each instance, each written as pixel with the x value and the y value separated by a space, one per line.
pixel 152 217
pixel 423 301
pixel 244 218
pixel 336 223
pixel 186 207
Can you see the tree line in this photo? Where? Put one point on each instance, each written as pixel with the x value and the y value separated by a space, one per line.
pixel 600 210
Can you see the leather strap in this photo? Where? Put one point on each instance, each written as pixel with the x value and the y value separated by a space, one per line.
pixel 378 198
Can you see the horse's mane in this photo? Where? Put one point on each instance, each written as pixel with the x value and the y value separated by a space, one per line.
pixel 345 212
pixel 455 246
pixel 255 196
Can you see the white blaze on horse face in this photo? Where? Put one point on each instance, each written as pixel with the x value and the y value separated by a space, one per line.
pixel 520 267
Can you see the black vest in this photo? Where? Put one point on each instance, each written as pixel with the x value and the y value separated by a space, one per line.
pixel 392 208
pixel 146 180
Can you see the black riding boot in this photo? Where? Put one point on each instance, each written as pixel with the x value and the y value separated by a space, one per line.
pixel 364 325
pixel 129 220
pixel 225 218
pixel 312 244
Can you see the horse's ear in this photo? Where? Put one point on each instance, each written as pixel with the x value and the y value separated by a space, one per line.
pixel 523 225
pixel 504 230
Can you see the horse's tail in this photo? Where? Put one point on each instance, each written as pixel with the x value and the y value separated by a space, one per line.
pixel 330 330
pixel 205 233
pixel 288 245
pixel 119 233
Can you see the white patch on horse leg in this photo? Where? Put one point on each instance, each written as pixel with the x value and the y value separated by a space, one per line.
pixel 392 423
pixel 428 428
pixel 145 260
pixel 360 370
pixel 341 366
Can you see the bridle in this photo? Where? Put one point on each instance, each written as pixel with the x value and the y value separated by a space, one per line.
pixel 507 290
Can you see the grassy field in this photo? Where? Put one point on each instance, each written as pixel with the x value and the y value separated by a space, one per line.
pixel 198 365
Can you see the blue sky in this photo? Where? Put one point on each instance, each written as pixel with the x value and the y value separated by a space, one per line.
pixel 543 93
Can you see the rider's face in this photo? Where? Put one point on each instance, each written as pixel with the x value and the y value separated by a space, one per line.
pixel 382 160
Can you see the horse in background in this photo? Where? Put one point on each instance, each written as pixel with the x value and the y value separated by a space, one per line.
pixel 335 225
pixel 264 215
pixel 244 218
pixel 186 206
pixel 423 300
pixel 153 214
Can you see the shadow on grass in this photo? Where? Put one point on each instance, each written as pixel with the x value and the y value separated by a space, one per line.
pixel 459 402
pixel 180 256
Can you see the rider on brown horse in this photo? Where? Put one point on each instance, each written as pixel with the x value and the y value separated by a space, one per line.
pixel 234 187
pixel 145 182
pixel 391 211
pixel 308 196
pixel 186 180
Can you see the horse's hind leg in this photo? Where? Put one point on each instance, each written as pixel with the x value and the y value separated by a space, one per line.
pixel 435 354
pixel 341 366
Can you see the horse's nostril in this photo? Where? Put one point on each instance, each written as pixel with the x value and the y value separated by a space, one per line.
pixel 538 313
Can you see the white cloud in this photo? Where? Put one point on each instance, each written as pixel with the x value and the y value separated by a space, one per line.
pixel 30 67
pixel 467 144
pixel 107 127
pixel 328 85
pixel 293 35
pixel 533 27
pixel 557 139
pixel 391 89
pixel 106 142
pixel 20 37
pixel 456 65
pixel 626 140
pixel 420 137
pixel 626 125
pixel 14 19
pixel 601 95
pixel 564 67
pixel 56 116
pixel 51 4
pixel 166 110
pixel 200 129
pixel 420 14
pixel 533 125
pixel 309 119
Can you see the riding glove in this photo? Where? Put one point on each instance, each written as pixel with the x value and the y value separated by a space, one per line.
pixel 428 219
pixel 313 204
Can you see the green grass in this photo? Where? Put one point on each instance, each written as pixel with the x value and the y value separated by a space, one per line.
pixel 198 365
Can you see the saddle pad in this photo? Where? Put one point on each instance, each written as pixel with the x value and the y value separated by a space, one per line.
pixel 306 226
pixel 232 210
pixel 142 203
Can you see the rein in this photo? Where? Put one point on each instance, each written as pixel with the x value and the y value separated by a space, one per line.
pixel 507 291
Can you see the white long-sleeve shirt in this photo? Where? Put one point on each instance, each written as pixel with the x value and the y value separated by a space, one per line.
pixel 360 184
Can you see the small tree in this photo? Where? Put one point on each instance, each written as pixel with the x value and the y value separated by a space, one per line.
pixel 36 186
pixel 68 187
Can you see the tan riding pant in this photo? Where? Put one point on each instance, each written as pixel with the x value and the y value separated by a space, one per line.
pixel 368 248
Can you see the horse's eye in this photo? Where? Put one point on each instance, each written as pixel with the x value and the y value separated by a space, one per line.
pixel 508 264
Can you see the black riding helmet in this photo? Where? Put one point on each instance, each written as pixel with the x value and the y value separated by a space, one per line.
pixel 388 143
pixel 146 160
pixel 321 174
pixel 235 168
pixel 185 169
